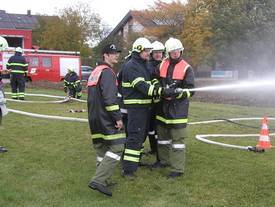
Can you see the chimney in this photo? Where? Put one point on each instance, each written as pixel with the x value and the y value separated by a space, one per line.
pixel 29 12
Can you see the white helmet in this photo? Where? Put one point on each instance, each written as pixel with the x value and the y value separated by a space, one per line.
pixel 19 49
pixel 173 44
pixel 141 44
pixel 3 44
pixel 157 46
pixel 71 69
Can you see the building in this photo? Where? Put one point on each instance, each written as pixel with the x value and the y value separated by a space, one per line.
pixel 141 23
pixel 17 28
pixel 133 22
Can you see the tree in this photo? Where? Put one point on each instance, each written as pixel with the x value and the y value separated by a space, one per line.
pixel 244 33
pixel 167 19
pixel 197 32
pixel 76 28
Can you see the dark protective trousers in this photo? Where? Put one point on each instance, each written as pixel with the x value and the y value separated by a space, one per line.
pixel 17 82
pixel 152 134
pixel 137 128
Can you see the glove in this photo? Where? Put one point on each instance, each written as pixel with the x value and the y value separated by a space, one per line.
pixel 168 92
pixel 65 89
pixel 182 93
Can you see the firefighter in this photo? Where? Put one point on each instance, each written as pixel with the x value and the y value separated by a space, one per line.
pixel 137 92
pixel 18 67
pixel 3 110
pixel 157 54
pixel 123 110
pixel 72 84
pixel 105 119
pixel 172 113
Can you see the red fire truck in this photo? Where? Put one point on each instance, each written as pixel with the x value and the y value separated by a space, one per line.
pixel 47 65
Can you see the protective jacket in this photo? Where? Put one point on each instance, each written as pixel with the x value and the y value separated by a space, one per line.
pixel 18 64
pixel 103 108
pixel 137 88
pixel 173 112
pixel 72 82
pixel 152 67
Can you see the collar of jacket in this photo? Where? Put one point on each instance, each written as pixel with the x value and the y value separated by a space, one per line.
pixel 155 62
pixel 103 63
pixel 137 57
pixel 175 61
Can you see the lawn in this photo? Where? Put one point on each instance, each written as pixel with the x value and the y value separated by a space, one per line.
pixel 50 163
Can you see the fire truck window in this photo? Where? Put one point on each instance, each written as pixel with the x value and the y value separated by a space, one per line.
pixel 47 62
pixel 34 62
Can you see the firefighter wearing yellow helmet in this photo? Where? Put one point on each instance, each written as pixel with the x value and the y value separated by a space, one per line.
pixel 172 113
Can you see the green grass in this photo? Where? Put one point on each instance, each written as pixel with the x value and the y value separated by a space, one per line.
pixel 50 163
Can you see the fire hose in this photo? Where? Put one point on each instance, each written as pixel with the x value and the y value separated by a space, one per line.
pixel 199 137
pixel 47 96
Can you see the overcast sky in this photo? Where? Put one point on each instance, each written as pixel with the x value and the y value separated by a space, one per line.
pixel 111 11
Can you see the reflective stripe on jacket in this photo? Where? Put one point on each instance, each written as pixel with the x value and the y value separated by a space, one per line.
pixel 18 64
pixel 137 89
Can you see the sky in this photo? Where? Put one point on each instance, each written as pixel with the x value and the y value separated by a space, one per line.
pixel 111 11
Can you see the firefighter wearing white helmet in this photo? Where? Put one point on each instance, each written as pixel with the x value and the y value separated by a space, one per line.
pixel 18 67
pixel 3 110
pixel 173 44
pixel 157 54
pixel 137 91
pixel 141 44
pixel 172 113
pixel 137 95
pixel 19 49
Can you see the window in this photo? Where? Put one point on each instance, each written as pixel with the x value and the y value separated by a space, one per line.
pixel 86 68
pixel 46 62
pixel 33 61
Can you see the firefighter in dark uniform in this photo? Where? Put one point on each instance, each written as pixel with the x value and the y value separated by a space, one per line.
pixel 137 92
pixel 18 67
pixel 122 107
pixel 105 119
pixel 172 112
pixel 3 110
pixel 72 84
pixel 157 54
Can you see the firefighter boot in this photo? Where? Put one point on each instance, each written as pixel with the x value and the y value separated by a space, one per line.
pixel 100 188
pixel 3 149
pixel 158 164
pixel 174 175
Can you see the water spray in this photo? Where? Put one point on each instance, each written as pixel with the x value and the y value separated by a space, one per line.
pixel 243 85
